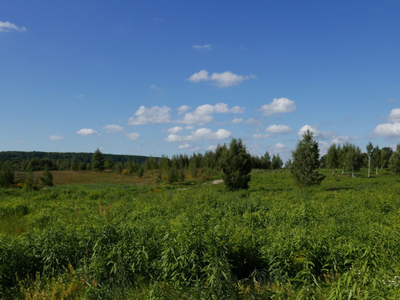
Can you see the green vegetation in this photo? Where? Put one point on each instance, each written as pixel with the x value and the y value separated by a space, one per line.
pixel 236 165
pixel 162 241
pixel 306 162
pixel 98 161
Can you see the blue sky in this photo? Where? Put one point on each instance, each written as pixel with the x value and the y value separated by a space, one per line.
pixel 169 77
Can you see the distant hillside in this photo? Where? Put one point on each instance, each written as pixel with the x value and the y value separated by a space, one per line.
pixel 81 156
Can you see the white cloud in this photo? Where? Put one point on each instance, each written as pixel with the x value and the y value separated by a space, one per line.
pixel 184 146
pixel 394 115
pixel 113 128
pixel 80 96
pixel 202 114
pixel 202 47
pixel 277 106
pixel 316 132
pixel 278 129
pixel 388 129
pixel 191 118
pixel 189 127
pixel 176 129
pixel 199 76
pixel 133 136
pixel 237 121
pixel 261 136
pixel 280 146
pixel 154 87
pixel 200 134
pixel 220 108
pixel 327 135
pixel 226 79
pixel 86 131
pixel 182 109
pixel 55 138
pixel 7 27
pixel 223 80
pixel 154 115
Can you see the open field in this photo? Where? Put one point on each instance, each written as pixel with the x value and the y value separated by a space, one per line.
pixel 123 237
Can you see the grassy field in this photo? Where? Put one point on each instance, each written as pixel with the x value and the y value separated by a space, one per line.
pixel 103 236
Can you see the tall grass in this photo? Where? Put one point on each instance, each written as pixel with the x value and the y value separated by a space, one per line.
pixel 340 240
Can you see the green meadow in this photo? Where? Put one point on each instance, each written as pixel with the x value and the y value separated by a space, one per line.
pixel 113 237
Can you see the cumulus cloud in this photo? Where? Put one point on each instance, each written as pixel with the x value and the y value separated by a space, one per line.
pixel 280 146
pixel 278 129
pixel 199 76
pixel 394 115
pixel 113 128
pixel 55 138
pixel 220 108
pixel 176 129
pixel 86 131
pixel 202 114
pixel 279 106
pixel 237 121
pixel 202 47
pixel 154 115
pixel 184 146
pixel 182 109
pixel 7 27
pixel 388 129
pixel 316 132
pixel 261 136
pixel 133 136
pixel 199 135
pixel 327 135
pixel 223 80
pixel 191 118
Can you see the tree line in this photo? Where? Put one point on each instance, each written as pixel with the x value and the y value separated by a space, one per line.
pixel 233 160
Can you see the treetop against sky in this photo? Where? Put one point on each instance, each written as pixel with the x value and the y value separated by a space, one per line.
pixel 168 77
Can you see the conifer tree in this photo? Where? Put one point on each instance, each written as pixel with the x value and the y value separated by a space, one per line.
pixel 236 165
pixel 98 161
pixel 306 162
pixel 47 178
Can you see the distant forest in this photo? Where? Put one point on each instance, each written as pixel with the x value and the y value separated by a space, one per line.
pixel 38 161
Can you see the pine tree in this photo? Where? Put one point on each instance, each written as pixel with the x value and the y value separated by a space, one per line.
pixel 47 178
pixel 172 174
pixel 306 162
pixel 97 161
pixel 236 165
